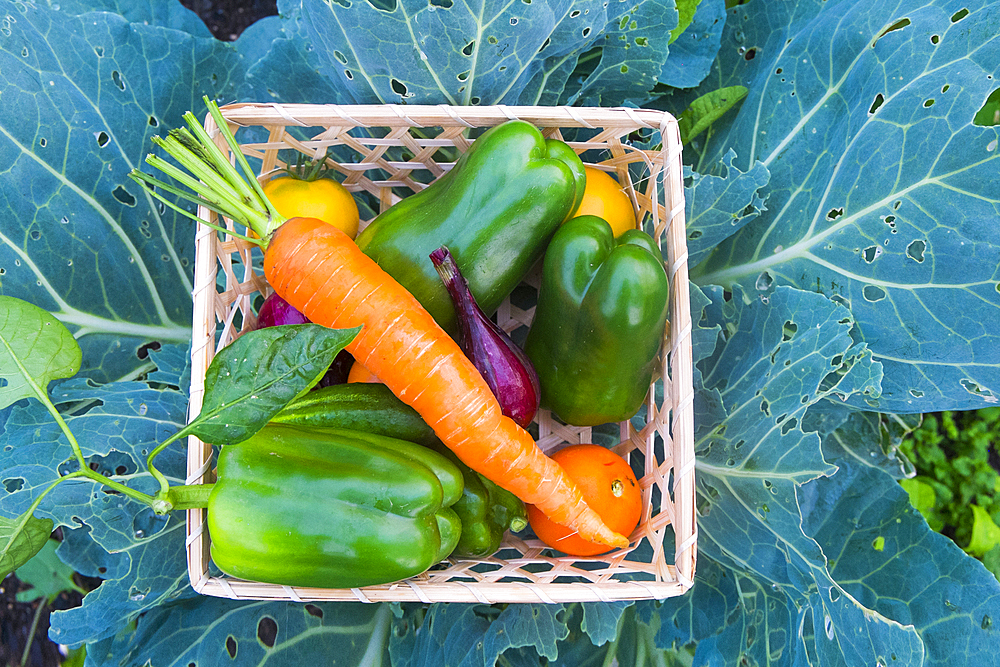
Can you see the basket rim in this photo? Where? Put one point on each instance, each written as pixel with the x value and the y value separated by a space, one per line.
pixel 680 379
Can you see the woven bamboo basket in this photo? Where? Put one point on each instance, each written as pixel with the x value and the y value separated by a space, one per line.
pixel 394 150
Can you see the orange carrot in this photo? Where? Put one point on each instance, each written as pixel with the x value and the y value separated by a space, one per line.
pixel 320 271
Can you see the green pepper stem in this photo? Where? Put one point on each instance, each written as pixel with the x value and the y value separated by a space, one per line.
pixel 157 475
pixel 188 496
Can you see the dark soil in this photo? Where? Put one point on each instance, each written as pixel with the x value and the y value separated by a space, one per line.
pixel 228 18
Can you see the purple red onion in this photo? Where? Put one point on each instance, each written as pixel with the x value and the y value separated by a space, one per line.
pixel 506 369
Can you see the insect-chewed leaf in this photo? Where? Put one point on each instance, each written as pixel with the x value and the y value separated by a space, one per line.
pixel 35 348
pixel 249 381
pixel 20 539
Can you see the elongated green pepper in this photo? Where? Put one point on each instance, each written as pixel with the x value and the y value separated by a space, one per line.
pixel 331 508
pixel 599 322
pixel 485 510
pixel 496 210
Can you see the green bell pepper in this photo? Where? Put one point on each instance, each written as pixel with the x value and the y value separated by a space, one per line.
pixel 486 511
pixel 496 210
pixel 331 508
pixel 599 321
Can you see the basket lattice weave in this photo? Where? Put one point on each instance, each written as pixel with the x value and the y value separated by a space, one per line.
pixel 395 149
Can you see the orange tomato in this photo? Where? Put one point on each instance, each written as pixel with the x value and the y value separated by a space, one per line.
pixel 610 488
pixel 606 198
pixel 322 198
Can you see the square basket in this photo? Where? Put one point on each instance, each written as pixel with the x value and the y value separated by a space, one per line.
pixel 389 151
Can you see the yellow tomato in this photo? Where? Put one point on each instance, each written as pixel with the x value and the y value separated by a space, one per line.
pixel 605 198
pixel 322 198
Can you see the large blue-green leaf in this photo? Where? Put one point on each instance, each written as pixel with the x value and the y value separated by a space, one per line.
pixel 83 95
pixel 692 54
pixel 777 355
pixel 119 425
pixel 716 207
pixel 169 14
pixel 215 631
pixel 885 558
pixel 883 192
pixel 470 52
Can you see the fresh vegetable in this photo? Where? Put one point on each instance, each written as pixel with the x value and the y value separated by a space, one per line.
pixel 275 311
pixel 331 508
pixel 359 373
pixel 599 322
pixel 506 369
pixel 608 484
pixel 320 271
pixel 486 511
pixel 368 407
pixel 314 195
pixel 606 198
pixel 496 209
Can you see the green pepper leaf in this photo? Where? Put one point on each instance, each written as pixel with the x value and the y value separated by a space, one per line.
pixel 35 348
pixel 20 539
pixel 47 575
pixel 252 379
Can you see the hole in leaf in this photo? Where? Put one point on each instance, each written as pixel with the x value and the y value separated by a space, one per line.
pixel 928 103
pixel 122 195
pixel 119 81
pixel 788 330
pixel 871 253
pixel 102 139
pixel 750 54
pixel 989 114
pixel 876 103
pixel 789 425
pixel 513 20
pixel 624 69
pixel 873 293
pixel 764 281
pixel 544 44
pixel 915 250
pixel 935 39
pixel 398 87
pixel 916 393
pixel 43 142
pixel 267 631
pixel 975 388
pixel 898 25
pixel 765 407
pixel 12 485
pixel 35 234
pixel 586 32
pixel 696 234
pixel 444 4
pixel 959 15
pixel 834 213
pixel 313 610
pixel 469 48
pixel 349 74
pixel 463 76
pixel 143 351
pixel 474 100
pixel 341 58
pixel 492 40
pixel 231 646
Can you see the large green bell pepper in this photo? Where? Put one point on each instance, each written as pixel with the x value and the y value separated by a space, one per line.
pixel 331 508
pixel 599 322
pixel 496 210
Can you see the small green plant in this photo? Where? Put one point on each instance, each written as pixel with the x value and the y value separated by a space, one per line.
pixel 956 484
